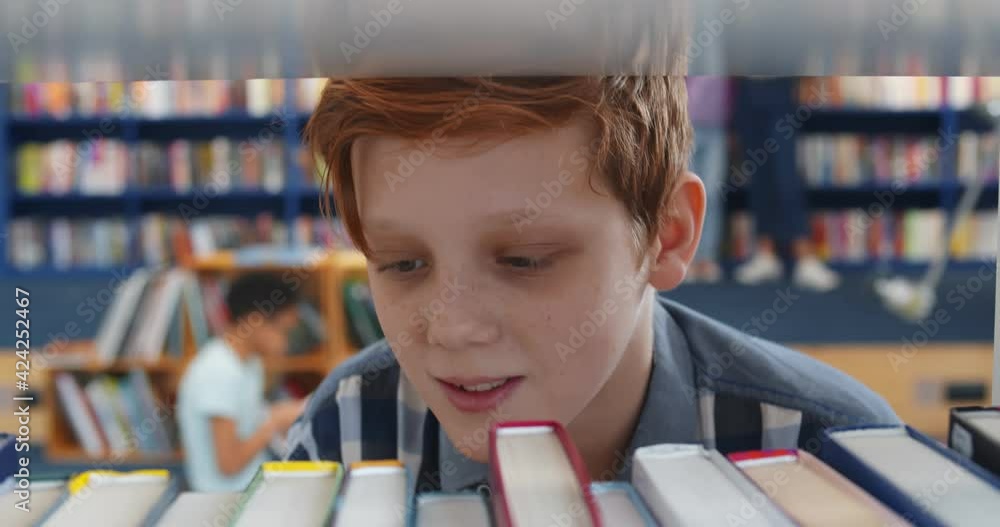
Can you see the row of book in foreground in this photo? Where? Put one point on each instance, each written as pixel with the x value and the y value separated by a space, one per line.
pixel 865 476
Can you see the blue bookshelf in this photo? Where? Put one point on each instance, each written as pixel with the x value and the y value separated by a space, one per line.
pixel 942 193
pixel 283 125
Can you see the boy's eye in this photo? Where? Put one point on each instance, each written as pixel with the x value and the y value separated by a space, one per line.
pixel 524 263
pixel 404 266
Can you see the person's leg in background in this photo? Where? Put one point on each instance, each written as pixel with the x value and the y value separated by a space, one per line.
pixel 759 124
pixel 709 163
pixel 777 194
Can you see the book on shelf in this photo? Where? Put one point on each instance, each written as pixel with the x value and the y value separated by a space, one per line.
pixel 211 167
pixel 155 99
pixel 458 509
pixel 26 507
pixel 675 481
pixel 858 236
pixel 362 322
pixel 113 499
pixel 195 509
pixel 538 477
pixel 811 492
pixel 375 493
pixel 309 332
pixel 64 243
pixel 912 92
pixel 324 232
pixel 88 168
pixel 292 493
pixel 919 478
pixel 112 414
pixel 838 160
pixel 146 319
pixel 974 432
pixel 620 505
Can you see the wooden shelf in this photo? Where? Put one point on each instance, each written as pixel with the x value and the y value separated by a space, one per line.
pixel 121 366
pixel 321 280
pixel 74 454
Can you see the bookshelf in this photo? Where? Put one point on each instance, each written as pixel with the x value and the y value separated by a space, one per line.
pixel 320 280
pixel 267 132
pixel 904 110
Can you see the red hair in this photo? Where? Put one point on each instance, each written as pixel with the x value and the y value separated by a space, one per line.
pixel 642 131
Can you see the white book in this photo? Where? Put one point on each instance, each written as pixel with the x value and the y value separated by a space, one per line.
pixel 112 499
pixel 451 510
pixel 194 509
pixel 156 325
pixel 375 495
pixel 72 398
pixel 620 506
pixel 291 493
pixel 537 477
pixel 961 92
pixel 100 401
pixel 115 323
pixel 16 512
pixel 916 470
pixel 688 485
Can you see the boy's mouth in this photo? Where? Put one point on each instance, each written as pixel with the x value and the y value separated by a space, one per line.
pixel 478 394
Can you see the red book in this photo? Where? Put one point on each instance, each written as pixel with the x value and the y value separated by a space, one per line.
pixel 538 477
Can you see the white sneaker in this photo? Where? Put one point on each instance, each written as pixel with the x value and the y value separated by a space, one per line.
pixel 762 267
pixel 810 273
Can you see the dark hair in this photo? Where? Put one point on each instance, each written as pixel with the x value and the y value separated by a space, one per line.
pixel 263 292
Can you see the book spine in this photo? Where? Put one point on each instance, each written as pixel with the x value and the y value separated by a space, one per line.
pixel 866 477
pixel 970 443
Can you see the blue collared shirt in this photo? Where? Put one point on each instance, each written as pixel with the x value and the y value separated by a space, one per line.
pixel 710 384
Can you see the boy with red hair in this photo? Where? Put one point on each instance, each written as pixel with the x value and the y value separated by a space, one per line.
pixel 518 231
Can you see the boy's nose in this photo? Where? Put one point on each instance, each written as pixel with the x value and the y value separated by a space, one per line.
pixel 455 331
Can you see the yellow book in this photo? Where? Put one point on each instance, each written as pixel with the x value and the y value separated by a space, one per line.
pixel 290 493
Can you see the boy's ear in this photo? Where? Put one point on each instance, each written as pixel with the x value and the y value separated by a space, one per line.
pixel 679 233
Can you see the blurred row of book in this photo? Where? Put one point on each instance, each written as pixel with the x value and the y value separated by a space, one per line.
pixel 852 160
pixel 864 236
pixel 160 239
pixel 899 92
pixel 109 167
pixel 161 98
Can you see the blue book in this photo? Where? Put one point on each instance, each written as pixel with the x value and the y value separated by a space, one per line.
pixel 454 509
pixel 621 505
pixel 919 478
pixel 8 456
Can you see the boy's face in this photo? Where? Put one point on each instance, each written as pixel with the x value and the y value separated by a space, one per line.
pixel 507 287
pixel 271 337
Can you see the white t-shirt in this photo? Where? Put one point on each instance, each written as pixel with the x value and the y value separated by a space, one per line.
pixel 218 383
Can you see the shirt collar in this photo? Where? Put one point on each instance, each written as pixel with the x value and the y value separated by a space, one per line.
pixel 669 413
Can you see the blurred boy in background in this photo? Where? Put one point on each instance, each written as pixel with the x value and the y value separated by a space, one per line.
pixel 225 421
